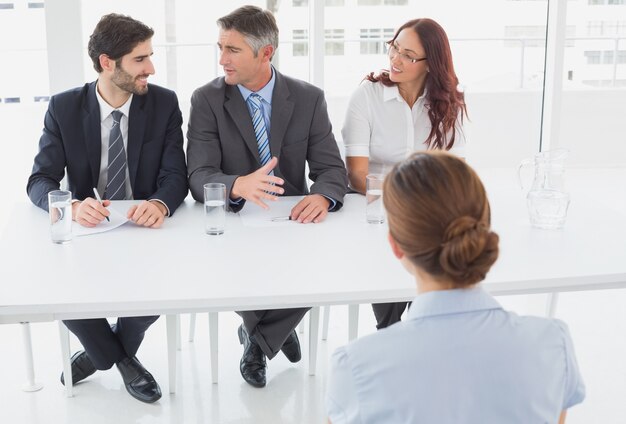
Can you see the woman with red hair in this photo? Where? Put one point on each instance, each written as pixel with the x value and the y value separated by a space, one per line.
pixel 413 106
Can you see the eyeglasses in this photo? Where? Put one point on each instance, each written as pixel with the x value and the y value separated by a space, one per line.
pixel 393 50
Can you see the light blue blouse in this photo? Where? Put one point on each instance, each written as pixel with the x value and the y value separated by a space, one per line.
pixel 458 358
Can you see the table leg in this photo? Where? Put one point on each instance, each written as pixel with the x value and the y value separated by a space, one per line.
pixel 213 339
pixel 30 385
pixel 314 325
pixel 353 322
pixel 179 344
pixel 172 330
pixel 64 335
pixel 192 327
pixel 325 322
pixel 551 303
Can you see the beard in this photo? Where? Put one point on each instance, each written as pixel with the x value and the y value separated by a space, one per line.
pixel 127 82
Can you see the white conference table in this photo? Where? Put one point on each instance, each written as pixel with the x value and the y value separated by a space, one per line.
pixel 179 269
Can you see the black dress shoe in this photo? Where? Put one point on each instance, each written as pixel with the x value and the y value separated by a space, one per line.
pixel 252 365
pixel 138 381
pixel 82 367
pixel 291 347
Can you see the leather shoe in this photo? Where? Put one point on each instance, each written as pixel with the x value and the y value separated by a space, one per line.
pixel 291 347
pixel 138 381
pixel 252 365
pixel 82 367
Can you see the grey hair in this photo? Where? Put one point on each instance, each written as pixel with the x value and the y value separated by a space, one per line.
pixel 258 26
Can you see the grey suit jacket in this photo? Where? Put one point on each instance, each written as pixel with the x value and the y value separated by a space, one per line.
pixel 221 144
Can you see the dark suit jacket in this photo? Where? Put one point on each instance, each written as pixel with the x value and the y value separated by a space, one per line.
pixel 71 142
pixel 221 144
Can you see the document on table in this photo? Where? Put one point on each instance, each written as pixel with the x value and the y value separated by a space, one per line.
pixel 255 216
pixel 116 219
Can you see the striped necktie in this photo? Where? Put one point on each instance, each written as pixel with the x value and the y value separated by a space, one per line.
pixel 116 169
pixel 260 131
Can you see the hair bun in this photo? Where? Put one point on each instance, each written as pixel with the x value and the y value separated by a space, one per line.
pixel 468 251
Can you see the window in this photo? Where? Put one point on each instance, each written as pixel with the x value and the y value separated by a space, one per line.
pixel 381 2
pixel 610 2
pixel 378 36
pixel 605 57
pixel 599 28
pixel 334 48
pixel 300 48
pixel 593 57
pixel 532 35
pixel 305 3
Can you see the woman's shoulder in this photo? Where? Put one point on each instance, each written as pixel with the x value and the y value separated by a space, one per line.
pixel 369 89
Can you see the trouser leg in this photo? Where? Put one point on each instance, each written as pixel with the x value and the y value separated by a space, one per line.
pixel 388 313
pixel 106 346
pixel 271 328
pixel 131 330
pixel 101 344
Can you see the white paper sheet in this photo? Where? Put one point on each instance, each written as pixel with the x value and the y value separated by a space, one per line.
pixel 116 218
pixel 255 216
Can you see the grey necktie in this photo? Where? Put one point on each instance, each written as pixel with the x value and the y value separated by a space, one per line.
pixel 260 131
pixel 116 169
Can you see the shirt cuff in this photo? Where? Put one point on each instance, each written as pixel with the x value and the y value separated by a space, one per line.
pixel 358 150
pixel 237 201
pixel 333 202
pixel 163 203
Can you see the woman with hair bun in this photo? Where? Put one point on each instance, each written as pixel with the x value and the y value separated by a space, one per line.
pixel 459 357
pixel 415 105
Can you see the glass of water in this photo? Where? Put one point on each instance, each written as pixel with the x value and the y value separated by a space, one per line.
pixel 214 208
pixel 374 210
pixel 60 209
pixel 547 208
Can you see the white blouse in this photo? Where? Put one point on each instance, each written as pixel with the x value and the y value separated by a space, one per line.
pixel 380 125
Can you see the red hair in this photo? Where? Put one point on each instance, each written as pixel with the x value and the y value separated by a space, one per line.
pixel 446 102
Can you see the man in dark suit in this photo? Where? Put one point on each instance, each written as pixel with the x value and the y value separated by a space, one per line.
pixel 254 130
pixel 123 137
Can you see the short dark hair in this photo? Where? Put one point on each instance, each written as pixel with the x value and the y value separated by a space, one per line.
pixel 258 26
pixel 116 35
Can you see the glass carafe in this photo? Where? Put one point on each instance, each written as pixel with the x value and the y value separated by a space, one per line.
pixel 547 198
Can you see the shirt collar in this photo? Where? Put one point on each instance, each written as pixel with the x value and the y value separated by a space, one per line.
pixel 392 92
pixel 265 92
pixel 448 302
pixel 106 109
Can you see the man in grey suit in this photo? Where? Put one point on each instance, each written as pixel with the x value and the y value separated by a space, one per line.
pixel 254 130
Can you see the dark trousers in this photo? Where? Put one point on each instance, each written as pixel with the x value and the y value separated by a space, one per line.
pixel 388 313
pixel 108 344
pixel 271 328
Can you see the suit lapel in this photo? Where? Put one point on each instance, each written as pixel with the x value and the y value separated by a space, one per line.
pixel 282 109
pixel 92 133
pixel 136 127
pixel 238 111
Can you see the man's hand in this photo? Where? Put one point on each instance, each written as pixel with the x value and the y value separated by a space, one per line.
pixel 90 212
pixel 313 208
pixel 147 213
pixel 258 185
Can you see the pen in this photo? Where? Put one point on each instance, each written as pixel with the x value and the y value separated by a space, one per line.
pixel 99 200
pixel 280 218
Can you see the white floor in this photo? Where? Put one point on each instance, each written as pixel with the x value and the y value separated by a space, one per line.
pixel 597 321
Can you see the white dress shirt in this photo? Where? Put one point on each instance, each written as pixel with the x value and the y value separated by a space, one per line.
pixel 457 358
pixel 106 123
pixel 380 125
